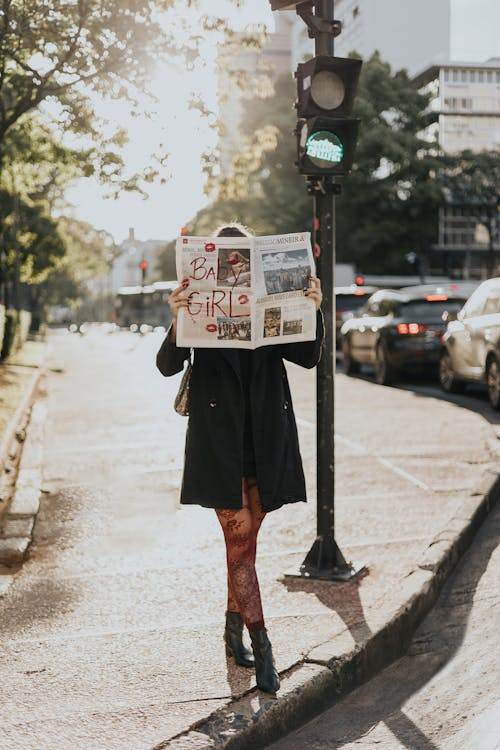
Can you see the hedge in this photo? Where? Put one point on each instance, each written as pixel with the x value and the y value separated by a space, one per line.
pixel 2 325
pixel 16 329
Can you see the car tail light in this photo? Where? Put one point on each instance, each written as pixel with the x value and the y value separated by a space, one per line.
pixel 436 297
pixel 410 328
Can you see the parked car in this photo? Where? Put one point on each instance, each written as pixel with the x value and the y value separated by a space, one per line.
pixel 348 302
pixel 471 344
pixel 399 331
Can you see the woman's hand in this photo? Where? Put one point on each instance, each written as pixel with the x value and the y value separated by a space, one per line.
pixel 176 300
pixel 314 291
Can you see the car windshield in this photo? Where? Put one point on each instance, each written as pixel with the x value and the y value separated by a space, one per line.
pixel 423 311
pixel 344 302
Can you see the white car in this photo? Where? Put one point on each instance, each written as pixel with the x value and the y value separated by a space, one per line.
pixel 471 344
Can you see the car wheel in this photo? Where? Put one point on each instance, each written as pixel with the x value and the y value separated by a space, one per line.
pixel 384 372
pixel 447 378
pixel 351 367
pixel 493 381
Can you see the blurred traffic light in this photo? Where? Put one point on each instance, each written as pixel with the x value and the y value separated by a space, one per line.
pixel 326 135
pixel 143 265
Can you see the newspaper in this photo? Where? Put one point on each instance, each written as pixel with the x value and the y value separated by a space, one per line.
pixel 246 292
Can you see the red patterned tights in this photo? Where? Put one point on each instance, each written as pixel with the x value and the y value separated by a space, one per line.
pixel 240 529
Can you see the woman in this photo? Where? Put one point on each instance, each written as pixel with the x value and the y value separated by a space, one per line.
pixel 242 457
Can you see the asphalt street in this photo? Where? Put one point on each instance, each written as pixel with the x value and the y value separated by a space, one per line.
pixel 111 635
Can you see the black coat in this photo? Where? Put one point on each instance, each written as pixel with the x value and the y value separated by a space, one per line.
pixel 214 438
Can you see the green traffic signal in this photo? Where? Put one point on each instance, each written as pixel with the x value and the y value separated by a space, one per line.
pixel 324 149
pixel 326 145
pixel 326 134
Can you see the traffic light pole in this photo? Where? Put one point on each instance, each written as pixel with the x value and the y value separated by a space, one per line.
pixel 324 560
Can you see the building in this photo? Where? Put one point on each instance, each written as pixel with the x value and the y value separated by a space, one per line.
pixel 466 98
pixel 415 35
pixel 256 68
pixel 423 31
pixel 126 269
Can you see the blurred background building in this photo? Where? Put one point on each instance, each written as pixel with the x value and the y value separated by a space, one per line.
pixel 244 72
pixel 126 269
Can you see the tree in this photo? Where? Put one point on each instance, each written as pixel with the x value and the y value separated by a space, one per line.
pixel 59 51
pixel 389 204
pixel 89 255
pixel 37 241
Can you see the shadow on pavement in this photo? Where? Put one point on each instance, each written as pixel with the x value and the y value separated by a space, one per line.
pixel 433 647
pixel 343 599
pixel 475 397
pixel 239 679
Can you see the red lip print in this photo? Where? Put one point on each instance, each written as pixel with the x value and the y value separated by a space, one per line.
pixel 243 299
pixel 210 247
pixel 211 327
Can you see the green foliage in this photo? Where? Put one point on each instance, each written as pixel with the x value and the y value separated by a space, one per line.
pixel 389 203
pixel 61 51
pixel 89 255
pixel 17 325
pixel 2 325
pixel 54 48
pixel 25 225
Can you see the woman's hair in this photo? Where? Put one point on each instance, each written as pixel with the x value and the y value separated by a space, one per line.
pixel 232 230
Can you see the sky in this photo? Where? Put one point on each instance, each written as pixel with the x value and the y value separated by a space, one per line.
pixel 186 134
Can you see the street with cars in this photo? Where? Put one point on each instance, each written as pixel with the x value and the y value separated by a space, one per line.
pixel 450 332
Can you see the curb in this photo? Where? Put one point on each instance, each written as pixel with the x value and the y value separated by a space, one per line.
pixel 17 521
pixel 333 669
pixel 17 524
pixel 15 424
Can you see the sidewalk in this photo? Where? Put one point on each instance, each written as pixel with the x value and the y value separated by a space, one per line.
pixel 327 637
pixel 19 380
pixel 111 636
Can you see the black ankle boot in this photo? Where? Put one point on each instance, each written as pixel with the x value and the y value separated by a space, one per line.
pixel 233 636
pixel 265 672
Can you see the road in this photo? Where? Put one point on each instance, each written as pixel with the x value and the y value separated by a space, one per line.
pixel 444 694
pixel 111 636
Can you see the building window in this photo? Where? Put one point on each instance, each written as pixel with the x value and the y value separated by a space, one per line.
pixel 489 76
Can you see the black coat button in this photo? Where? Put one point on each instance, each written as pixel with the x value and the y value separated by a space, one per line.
pixel 285 405
pixel 213 403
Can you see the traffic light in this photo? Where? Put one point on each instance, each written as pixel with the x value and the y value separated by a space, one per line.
pixel 326 135
pixel 143 265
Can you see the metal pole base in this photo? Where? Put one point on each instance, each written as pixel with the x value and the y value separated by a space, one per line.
pixel 325 562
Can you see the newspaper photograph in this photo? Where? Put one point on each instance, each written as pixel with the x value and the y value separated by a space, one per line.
pixel 246 292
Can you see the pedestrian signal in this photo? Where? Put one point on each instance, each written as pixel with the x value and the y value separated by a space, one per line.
pixel 326 135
